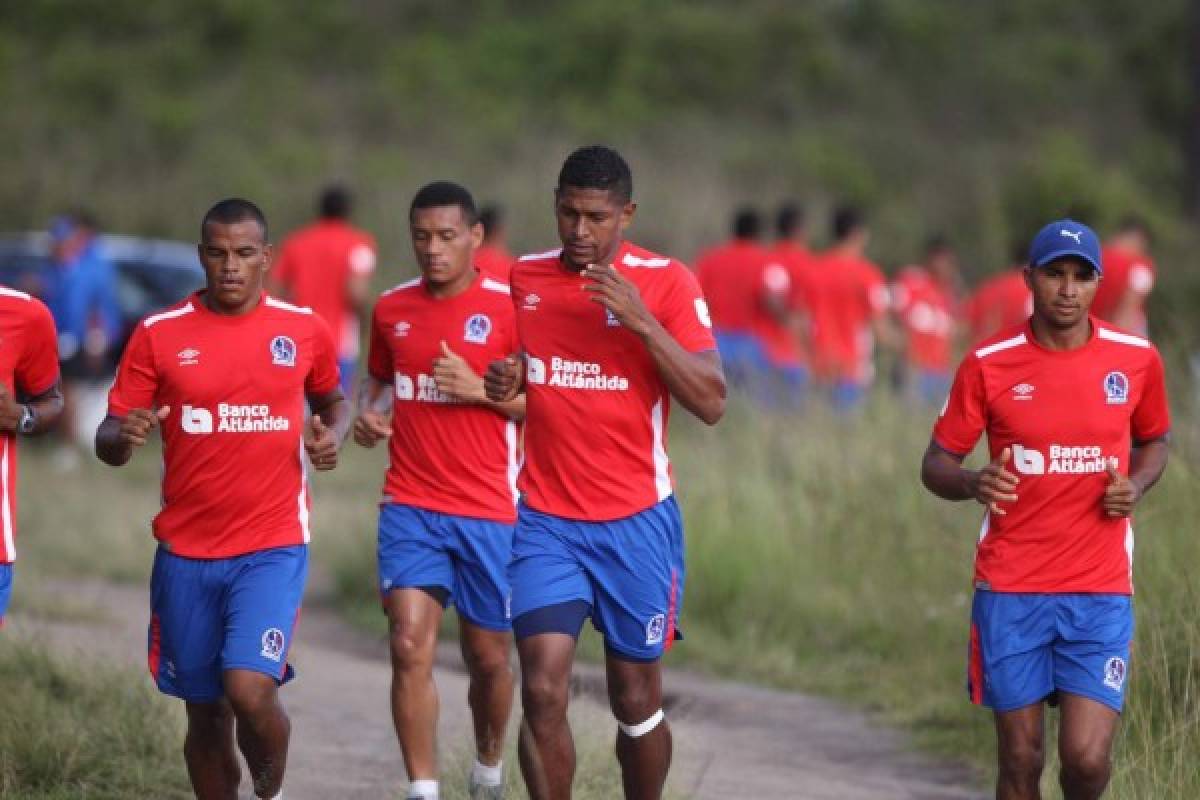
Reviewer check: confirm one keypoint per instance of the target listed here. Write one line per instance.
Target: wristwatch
(27, 422)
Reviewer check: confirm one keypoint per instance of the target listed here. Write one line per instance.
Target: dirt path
(731, 740)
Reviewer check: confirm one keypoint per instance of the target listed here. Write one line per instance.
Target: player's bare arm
(44, 409)
(373, 423)
(694, 379)
(327, 428)
(455, 377)
(1147, 461)
(118, 436)
(505, 378)
(943, 474)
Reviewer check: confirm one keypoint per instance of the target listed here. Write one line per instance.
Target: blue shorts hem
(1116, 705)
(1004, 708)
(636, 658)
(188, 697)
(504, 627)
(288, 672)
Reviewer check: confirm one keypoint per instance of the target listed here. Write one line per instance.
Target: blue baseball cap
(1066, 238)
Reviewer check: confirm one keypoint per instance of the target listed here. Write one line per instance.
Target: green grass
(77, 732)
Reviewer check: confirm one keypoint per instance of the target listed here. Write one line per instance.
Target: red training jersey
(731, 277)
(455, 458)
(998, 303)
(597, 408)
(926, 311)
(1065, 414)
(494, 261)
(234, 471)
(1125, 271)
(315, 263)
(847, 294)
(28, 367)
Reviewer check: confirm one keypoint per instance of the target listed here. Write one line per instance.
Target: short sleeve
(684, 312)
(379, 351)
(323, 375)
(37, 367)
(1152, 418)
(362, 258)
(964, 416)
(136, 384)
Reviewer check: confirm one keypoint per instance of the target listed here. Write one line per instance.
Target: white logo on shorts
(272, 644)
(655, 628)
(1114, 673)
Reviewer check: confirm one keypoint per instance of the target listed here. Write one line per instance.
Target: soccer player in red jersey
(610, 332)
(224, 376)
(1076, 418)
(327, 266)
(492, 257)
(449, 499)
(1128, 277)
(31, 402)
(1000, 302)
(924, 299)
(848, 300)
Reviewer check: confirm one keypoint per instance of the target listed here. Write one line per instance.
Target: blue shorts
(6, 579)
(212, 615)
(346, 368)
(628, 571)
(465, 556)
(1025, 647)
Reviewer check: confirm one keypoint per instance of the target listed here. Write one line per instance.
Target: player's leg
(209, 751)
(643, 736)
(262, 605)
(416, 580)
(490, 695)
(551, 597)
(1020, 752)
(1085, 739)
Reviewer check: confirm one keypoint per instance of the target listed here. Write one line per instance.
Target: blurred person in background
(1129, 275)
(81, 292)
(327, 266)
(449, 499)
(31, 402)
(925, 300)
(731, 275)
(848, 303)
(791, 249)
(493, 256)
(225, 376)
(1001, 301)
(1076, 418)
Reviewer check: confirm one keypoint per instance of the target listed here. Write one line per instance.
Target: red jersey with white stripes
(29, 367)
(597, 409)
(731, 275)
(1065, 414)
(926, 311)
(446, 456)
(846, 294)
(1125, 271)
(234, 470)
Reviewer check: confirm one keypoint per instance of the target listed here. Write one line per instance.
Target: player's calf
(208, 751)
(263, 727)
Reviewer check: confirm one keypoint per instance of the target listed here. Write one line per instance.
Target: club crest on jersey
(1114, 673)
(283, 351)
(272, 644)
(477, 330)
(655, 628)
(1116, 388)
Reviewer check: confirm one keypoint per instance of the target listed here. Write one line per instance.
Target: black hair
(937, 243)
(789, 221)
(597, 167)
(445, 193)
(232, 210)
(335, 202)
(846, 220)
(747, 223)
(1133, 223)
(490, 217)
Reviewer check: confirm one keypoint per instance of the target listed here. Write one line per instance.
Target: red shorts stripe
(975, 667)
(669, 639)
(155, 646)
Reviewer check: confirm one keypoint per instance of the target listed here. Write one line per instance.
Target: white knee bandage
(642, 728)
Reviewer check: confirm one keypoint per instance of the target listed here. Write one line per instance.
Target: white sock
(483, 775)
(423, 790)
(278, 796)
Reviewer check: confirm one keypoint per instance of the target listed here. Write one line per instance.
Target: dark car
(151, 273)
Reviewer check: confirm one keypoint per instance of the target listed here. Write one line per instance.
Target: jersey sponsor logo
(189, 356)
(233, 418)
(1114, 673)
(531, 302)
(702, 312)
(477, 329)
(655, 628)
(401, 328)
(610, 319)
(1023, 391)
(1063, 460)
(283, 351)
(405, 388)
(272, 644)
(421, 388)
(1116, 388)
(568, 374)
